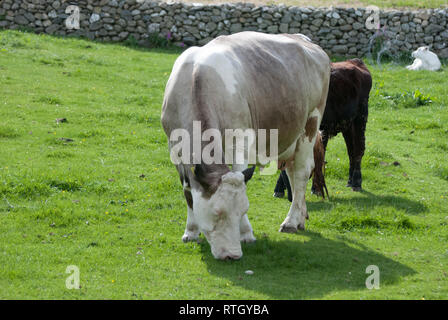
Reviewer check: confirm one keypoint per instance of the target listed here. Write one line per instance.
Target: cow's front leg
(298, 176)
(246, 232)
(192, 230)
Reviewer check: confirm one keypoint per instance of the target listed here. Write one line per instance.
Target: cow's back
(248, 80)
(350, 85)
(281, 78)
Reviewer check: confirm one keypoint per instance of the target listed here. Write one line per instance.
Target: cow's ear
(248, 173)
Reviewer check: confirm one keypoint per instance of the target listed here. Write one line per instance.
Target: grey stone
(272, 29)
(433, 28)
(341, 49)
(95, 26)
(236, 27)
(154, 28)
(211, 26)
(29, 16)
(21, 20)
(53, 14)
(287, 18)
(123, 35)
(439, 46)
(443, 53)
(283, 28)
(52, 29)
(335, 15)
(317, 22)
(429, 39)
(189, 41)
(357, 26)
(94, 18)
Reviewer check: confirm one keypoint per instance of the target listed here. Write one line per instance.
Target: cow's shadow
(368, 200)
(308, 266)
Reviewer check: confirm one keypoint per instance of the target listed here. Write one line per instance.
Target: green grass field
(100, 192)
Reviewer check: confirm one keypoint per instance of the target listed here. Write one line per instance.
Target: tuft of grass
(442, 172)
(7, 132)
(408, 99)
(48, 100)
(376, 223)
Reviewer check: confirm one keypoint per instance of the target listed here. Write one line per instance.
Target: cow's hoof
(279, 195)
(190, 236)
(357, 189)
(288, 229)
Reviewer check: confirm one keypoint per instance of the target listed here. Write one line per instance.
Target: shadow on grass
(309, 267)
(368, 200)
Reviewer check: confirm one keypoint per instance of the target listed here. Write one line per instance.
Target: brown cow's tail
(319, 185)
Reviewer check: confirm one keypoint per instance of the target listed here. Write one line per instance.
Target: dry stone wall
(341, 31)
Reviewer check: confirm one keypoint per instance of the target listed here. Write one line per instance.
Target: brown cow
(346, 111)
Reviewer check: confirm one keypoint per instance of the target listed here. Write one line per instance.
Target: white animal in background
(424, 60)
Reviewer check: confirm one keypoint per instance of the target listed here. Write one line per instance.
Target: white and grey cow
(424, 60)
(247, 80)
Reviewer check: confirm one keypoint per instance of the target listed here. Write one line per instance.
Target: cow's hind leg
(192, 230)
(279, 191)
(299, 175)
(284, 176)
(348, 137)
(359, 128)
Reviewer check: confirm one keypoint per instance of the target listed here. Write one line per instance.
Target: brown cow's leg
(348, 137)
(279, 191)
(191, 231)
(359, 127)
(287, 184)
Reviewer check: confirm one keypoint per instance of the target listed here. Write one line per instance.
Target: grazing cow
(247, 80)
(425, 60)
(346, 111)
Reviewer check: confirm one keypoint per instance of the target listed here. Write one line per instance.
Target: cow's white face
(219, 216)
(421, 53)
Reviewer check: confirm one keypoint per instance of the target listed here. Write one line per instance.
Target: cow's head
(421, 53)
(219, 203)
